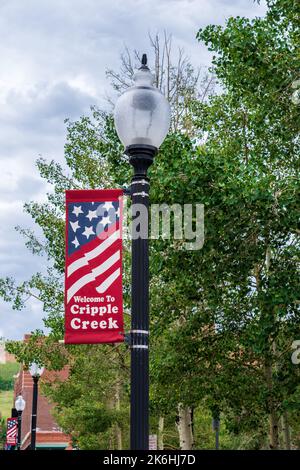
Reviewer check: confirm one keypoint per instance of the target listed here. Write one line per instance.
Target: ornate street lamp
(142, 120)
(35, 372)
(20, 407)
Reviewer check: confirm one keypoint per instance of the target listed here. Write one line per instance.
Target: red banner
(12, 431)
(93, 275)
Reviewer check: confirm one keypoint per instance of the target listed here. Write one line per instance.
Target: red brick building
(48, 434)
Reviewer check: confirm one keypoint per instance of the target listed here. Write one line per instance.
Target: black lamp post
(35, 372)
(142, 120)
(20, 406)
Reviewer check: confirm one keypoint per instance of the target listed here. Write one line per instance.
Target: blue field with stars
(87, 219)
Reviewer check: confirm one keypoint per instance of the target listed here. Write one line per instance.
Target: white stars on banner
(75, 242)
(88, 232)
(107, 206)
(105, 221)
(77, 210)
(87, 219)
(92, 215)
(75, 225)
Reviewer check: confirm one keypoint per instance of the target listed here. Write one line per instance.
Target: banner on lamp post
(11, 431)
(93, 272)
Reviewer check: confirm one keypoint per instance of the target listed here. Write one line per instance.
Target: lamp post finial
(144, 60)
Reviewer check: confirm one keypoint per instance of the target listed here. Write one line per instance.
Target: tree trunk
(274, 437)
(286, 431)
(184, 426)
(273, 417)
(160, 440)
(118, 430)
(119, 437)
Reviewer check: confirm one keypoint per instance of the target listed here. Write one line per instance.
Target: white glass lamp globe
(142, 113)
(20, 403)
(35, 370)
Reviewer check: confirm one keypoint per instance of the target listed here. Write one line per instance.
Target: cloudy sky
(54, 54)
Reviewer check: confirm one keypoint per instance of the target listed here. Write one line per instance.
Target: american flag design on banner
(12, 431)
(93, 274)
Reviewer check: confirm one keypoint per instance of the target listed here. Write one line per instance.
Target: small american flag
(12, 431)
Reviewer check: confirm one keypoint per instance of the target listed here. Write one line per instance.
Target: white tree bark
(286, 431)
(184, 427)
(117, 427)
(160, 440)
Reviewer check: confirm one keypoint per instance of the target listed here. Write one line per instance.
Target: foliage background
(222, 319)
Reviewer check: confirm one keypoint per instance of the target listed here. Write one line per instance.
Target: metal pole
(141, 157)
(19, 430)
(34, 412)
